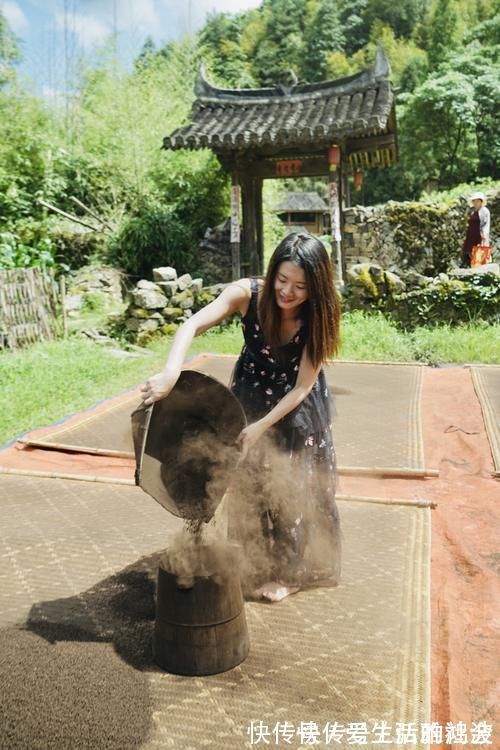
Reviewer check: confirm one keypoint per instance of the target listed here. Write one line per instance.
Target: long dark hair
(321, 310)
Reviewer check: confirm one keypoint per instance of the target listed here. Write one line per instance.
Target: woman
(283, 504)
(478, 228)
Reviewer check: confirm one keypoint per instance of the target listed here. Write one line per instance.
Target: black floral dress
(283, 510)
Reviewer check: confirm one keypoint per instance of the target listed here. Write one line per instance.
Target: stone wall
(159, 307)
(91, 285)
(215, 260)
(423, 237)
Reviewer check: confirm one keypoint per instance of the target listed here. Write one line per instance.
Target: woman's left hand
(249, 436)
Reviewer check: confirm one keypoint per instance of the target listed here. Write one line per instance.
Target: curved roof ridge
(380, 69)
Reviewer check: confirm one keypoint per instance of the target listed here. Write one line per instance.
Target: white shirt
(484, 222)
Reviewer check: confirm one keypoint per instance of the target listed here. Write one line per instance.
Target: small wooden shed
(306, 129)
(307, 210)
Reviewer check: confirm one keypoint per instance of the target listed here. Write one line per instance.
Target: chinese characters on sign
(288, 167)
(333, 202)
(235, 213)
(380, 733)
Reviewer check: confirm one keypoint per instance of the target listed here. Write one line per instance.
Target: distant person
(478, 228)
(284, 495)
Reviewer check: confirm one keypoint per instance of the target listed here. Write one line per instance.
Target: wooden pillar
(346, 195)
(249, 233)
(345, 201)
(235, 228)
(259, 225)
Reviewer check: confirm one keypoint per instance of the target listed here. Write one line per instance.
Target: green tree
(30, 151)
(439, 123)
(401, 16)
(414, 73)
(400, 52)
(487, 32)
(147, 53)
(442, 32)
(282, 46)
(352, 19)
(481, 65)
(487, 95)
(220, 45)
(339, 66)
(9, 51)
(323, 37)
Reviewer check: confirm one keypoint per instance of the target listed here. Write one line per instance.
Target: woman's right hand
(159, 386)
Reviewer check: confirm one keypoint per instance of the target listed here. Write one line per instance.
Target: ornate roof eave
(318, 136)
(380, 70)
(302, 117)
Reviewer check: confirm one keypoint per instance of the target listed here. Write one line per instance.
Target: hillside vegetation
(103, 146)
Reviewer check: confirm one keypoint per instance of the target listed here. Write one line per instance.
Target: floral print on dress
(261, 378)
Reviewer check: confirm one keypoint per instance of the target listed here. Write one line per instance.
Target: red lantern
(358, 179)
(334, 157)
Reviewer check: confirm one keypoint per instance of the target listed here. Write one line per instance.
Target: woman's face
(290, 286)
(477, 203)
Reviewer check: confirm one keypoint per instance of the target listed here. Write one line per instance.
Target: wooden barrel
(201, 629)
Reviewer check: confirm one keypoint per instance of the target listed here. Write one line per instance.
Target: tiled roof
(302, 202)
(301, 115)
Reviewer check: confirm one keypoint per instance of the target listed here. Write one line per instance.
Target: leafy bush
(76, 246)
(449, 301)
(15, 254)
(166, 227)
(153, 237)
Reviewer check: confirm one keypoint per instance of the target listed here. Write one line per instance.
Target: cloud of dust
(281, 516)
(192, 555)
(283, 513)
(197, 472)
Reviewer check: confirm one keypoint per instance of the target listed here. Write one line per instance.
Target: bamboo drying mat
(79, 562)
(105, 426)
(487, 385)
(378, 422)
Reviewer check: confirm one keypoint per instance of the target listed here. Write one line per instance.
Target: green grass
(52, 380)
(375, 337)
(474, 342)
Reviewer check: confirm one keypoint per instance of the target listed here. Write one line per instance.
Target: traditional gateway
(302, 130)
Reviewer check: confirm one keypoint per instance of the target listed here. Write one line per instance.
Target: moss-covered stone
(446, 300)
(180, 297)
(418, 236)
(169, 329)
(203, 299)
(172, 313)
(146, 337)
(138, 312)
(187, 304)
(393, 283)
(361, 278)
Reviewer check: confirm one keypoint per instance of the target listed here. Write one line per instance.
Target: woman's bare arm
(306, 377)
(234, 298)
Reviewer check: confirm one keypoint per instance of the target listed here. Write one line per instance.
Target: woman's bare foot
(275, 591)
